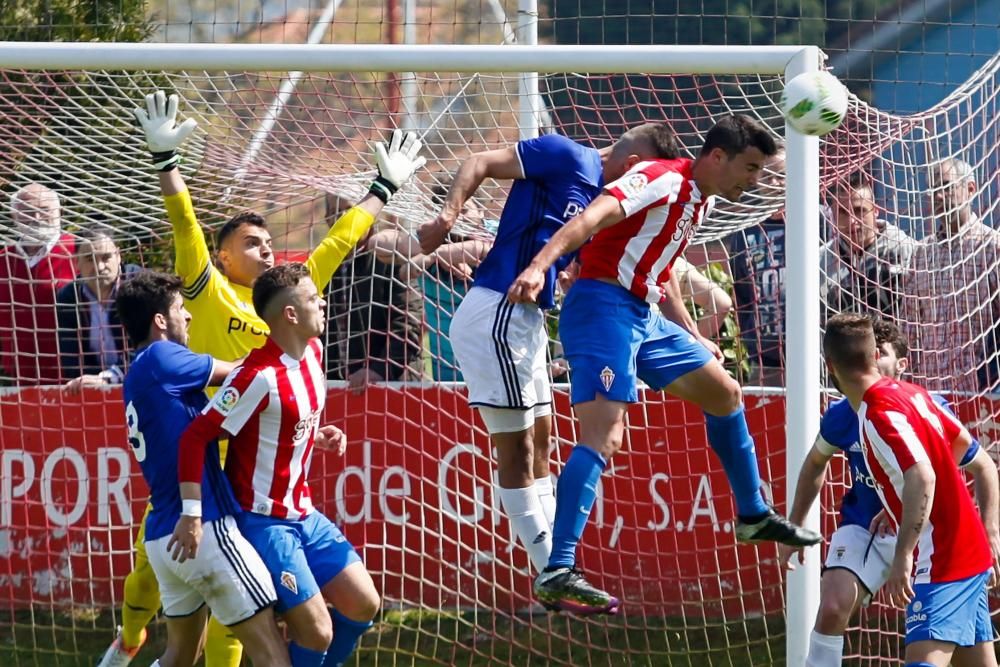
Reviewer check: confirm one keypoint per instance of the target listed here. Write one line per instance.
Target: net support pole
(527, 35)
(409, 91)
(803, 354)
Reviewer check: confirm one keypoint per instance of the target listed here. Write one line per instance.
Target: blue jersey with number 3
(561, 178)
(164, 392)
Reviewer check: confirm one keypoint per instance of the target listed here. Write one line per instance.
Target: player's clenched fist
(332, 439)
(526, 287)
(163, 135)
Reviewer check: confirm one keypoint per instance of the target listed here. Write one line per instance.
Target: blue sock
(732, 442)
(345, 638)
(575, 497)
(305, 657)
(919, 664)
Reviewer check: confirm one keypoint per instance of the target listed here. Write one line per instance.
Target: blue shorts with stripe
(301, 555)
(956, 611)
(611, 339)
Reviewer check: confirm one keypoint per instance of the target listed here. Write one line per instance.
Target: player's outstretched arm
(601, 213)
(396, 163)
(500, 164)
(164, 137)
(810, 482)
(917, 499)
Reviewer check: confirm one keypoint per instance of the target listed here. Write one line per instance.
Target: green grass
(417, 638)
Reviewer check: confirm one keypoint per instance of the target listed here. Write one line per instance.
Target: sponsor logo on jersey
(607, 377)
(288, 581)
(573, 209)
(306, 425)
(227, 400)
(917, 615)
(236, 324)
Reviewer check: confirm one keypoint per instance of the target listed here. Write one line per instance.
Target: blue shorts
(610, 339)
(956, 612)
(301, 555)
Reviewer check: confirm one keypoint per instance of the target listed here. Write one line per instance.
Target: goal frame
(802, 181)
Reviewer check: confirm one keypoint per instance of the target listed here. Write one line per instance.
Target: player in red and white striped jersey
(912, 448)
(612, 338)
(271, 408)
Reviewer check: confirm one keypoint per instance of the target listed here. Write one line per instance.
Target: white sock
(156, 663)
(825, 650)
(547, 496)
(527, 521)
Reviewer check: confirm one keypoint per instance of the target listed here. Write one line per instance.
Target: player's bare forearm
(987, 489)
(221, 370)
(603, 212)
(917, 500)
(171, 182)
(190, 491)
(810, 482)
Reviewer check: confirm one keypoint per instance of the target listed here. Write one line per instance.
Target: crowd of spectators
(391, 306)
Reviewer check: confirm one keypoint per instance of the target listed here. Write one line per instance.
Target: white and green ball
(814, 103)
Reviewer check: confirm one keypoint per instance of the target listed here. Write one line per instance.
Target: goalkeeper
(219, 297)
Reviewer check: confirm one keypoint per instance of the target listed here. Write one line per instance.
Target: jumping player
(612, 337)
(501, 347)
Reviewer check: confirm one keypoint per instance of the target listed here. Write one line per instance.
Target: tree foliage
(74, 21)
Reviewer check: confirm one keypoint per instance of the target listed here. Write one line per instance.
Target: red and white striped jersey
(901, 425)
(663, 206)
(272, 405)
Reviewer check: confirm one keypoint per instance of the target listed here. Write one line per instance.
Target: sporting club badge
(607, 377)
(288, 581)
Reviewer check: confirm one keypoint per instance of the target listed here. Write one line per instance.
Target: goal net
(415, 490)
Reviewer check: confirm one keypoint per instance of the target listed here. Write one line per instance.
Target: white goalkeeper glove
(163, 135)
(396, 163)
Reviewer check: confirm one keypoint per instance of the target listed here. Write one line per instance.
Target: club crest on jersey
(227, 399)
(607, 377)
(288, 581)
(634, 184)
(839, 553)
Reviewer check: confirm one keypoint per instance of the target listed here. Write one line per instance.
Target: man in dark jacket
(91, 339)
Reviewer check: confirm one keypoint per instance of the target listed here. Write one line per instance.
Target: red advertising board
(413, 493)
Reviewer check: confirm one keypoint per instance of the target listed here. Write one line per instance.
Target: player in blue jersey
(501, 347)
(163, 393)
(858, 561)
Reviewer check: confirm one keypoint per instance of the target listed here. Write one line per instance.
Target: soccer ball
(814, 103)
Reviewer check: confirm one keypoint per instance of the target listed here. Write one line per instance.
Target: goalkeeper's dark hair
(237, 221)
(274, 282)
(849, 342)
(735, 133)
(888, 333)
(142, 297)
(659, 137)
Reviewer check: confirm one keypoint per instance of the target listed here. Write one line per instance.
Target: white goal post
(802, 185)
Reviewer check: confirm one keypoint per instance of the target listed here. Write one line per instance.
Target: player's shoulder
(554, 143)
(839, 424)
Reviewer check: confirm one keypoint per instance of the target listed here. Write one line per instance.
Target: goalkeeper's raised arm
(218, 296)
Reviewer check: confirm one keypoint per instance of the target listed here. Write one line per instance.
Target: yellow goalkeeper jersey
(223, 321)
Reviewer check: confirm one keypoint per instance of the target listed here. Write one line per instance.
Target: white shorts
(227, 574)
(501, 349)
(868, 557)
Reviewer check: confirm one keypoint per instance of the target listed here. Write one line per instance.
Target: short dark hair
(660, 137)
(274, 281)
(143, 296)
(849, 342)
(888, 333)
(859, 180)
(90, 237)
(735, 133)
(237, 221)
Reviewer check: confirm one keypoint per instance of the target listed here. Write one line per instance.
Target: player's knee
(726, 399)
(835, 610)
(318, 635)
(363, 607)
(141, 583)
